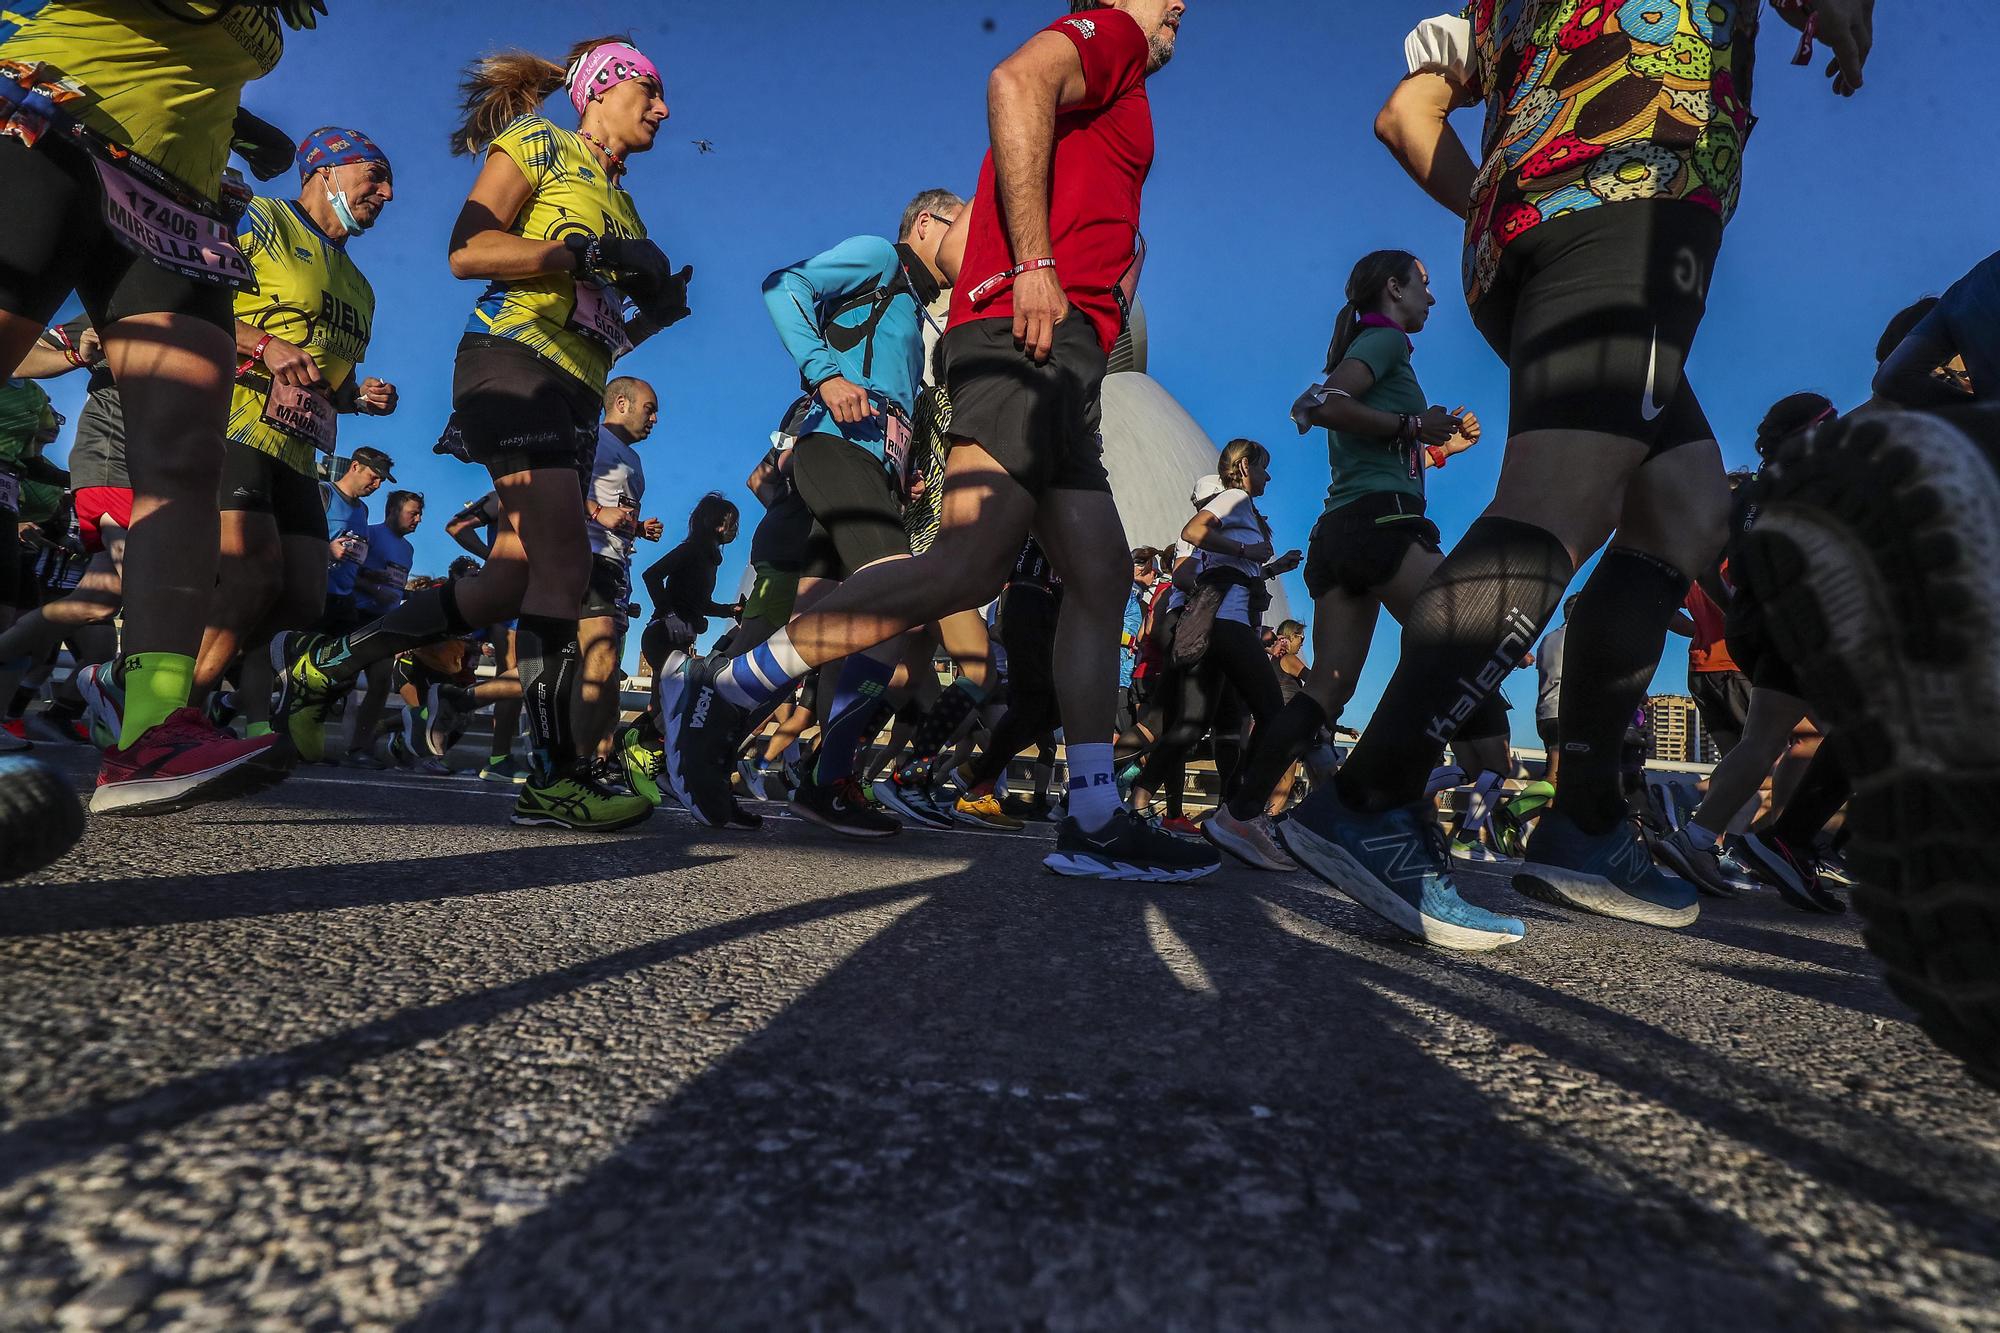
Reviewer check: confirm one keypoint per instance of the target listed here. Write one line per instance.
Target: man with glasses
(853, 319)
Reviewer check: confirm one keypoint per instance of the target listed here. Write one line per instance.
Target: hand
(848, 401)
(268, 149)
(1436, 426)
(1286, 563)
(1848, 27)
(1468, 432)
(1039, 306)
(291, 364)
(296, 13)
(338, 550)
(613, 518)
(89, 347)
(1257, 551)
(652, 529)
(376, 398)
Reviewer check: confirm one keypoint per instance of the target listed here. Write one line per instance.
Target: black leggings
(1235, 658)
(1028, 631)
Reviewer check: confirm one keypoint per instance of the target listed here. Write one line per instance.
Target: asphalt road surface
(359, 1054)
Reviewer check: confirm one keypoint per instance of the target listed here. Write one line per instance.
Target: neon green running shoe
(642, 764)
(577, 800)
(305, 694)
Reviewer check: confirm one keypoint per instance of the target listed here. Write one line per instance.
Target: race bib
(395, 576)
(303, 414)
(353, 547)
(600, 317)
(896, 438)
(175, 237)
(10, 492)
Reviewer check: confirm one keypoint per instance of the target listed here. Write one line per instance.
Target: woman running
(682, 585)
(561, 249)
(1373, 547)
(1232, 545)
(106, 107)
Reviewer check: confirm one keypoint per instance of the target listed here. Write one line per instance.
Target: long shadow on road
(1033, 1103)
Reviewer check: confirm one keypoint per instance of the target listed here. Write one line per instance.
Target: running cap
(331, 146)
(375, 461)
(1206, 489)
(602, 68)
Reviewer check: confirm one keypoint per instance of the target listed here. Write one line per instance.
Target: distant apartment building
(1674, 731)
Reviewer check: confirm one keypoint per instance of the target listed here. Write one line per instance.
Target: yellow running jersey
(166, 89)
(308, 293)
(572, 194)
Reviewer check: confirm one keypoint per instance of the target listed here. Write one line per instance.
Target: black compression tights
(1235, 658)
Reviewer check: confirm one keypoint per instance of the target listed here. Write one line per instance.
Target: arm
(1415, 126)
(659, 573)
(1023, 96)
(1909, 376)
(1345, 412)
(797, 298)
(481, 244)
(1204, 532)
(760, 477)
(44, 362)
(465, 530)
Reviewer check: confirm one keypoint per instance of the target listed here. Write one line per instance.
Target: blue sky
(826, 118)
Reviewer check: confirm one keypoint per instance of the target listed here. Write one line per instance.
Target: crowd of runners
(942, 591)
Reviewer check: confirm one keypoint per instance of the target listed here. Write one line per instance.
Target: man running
(344, 502)
(1592, 231)
(1054, 234)
(378, 589)
(483, 516)
(617, 485)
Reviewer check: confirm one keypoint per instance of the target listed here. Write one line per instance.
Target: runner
(301, 337)
(1217, 647)
(1587, 266)
(378, 589)
(139, 99)
(527, 391)
(1023, 377)
(852, 319)
(344, 513)
(617, 486)
(681, 584)
(1719, 688)
(1030, 609)
(483, 515)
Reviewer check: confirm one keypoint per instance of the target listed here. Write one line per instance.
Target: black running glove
(297, 14)
(264, 146)
(640, 270)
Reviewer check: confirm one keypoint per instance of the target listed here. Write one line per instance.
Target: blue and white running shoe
(1394, 865)
(1611, 874)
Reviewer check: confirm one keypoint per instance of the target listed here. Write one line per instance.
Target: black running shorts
(519, 412)
(1750, 646)
(1040, 422)
(1723, 700)
(54, 241)
(254, 482)
(1359, 547)
(1594, 314)
(857, 519)
(609, 591)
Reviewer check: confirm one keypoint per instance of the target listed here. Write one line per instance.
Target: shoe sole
(1242, 849)
(975, 821)
(164, 796)
(41, 816)
(1684, 867)
(1879, 542)
(1354, 882)
(557, 821)
(1078, 865)
(812, 816)
(1559, 886)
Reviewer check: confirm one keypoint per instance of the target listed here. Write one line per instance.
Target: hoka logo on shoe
(699, 718)
(1409, 865)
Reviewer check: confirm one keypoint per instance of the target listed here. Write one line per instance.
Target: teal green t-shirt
(1367, 465)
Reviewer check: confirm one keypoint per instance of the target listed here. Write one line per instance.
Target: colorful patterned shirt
(1592, 102)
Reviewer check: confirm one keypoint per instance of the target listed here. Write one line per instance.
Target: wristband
(68, 348)
(992, 284)
(1032, 265)
(256, 354)
(1437, 453)
(1810, 32)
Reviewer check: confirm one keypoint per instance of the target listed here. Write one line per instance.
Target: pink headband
(602, 68)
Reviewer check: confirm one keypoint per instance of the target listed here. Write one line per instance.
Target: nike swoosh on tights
(1650, 409)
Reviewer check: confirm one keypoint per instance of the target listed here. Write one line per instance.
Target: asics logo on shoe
(1410, 864)
(1513, 646)
(699, 718)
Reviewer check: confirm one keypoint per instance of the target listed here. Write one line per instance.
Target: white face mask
(345, 215)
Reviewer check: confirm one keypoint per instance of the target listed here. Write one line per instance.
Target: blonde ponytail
(498, 90)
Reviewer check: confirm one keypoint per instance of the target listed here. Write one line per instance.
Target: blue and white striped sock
(770, 669)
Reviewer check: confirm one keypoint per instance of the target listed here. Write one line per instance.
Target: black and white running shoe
(1129, 848)
(844, 808)
(912, 803)
(1876, 558)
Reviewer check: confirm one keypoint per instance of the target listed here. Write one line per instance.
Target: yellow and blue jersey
(572, 194)
(310, 294)
(165, 88)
